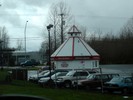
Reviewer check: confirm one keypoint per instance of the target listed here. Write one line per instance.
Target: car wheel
(87, 88)
(50, 83)
(110, 91)
(67, 84)
(125, 90)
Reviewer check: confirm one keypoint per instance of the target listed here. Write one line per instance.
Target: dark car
(95, 80)
(123, 84)
(29, 63)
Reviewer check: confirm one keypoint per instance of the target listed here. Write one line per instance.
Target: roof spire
(73, 31)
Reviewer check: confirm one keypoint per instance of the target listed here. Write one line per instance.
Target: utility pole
(55, 24)
(62, 23)
(25, 37)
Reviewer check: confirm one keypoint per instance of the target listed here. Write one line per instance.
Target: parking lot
(121, 69)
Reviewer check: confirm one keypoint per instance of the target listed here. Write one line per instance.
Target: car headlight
(35, 78)
(42, 80)
(79, 83)
(30, 77)
(60, 79)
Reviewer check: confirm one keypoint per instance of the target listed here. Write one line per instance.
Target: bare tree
(60, 17)
(127, 30)
(83, 32)
(5, 51)
(19, 44)
(4, 37)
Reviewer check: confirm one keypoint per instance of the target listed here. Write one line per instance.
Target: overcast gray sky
(106, 15)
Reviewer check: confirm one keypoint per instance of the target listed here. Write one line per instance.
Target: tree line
(115, 49)
(5, 51)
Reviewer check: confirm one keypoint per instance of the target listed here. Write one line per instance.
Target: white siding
(78, 64)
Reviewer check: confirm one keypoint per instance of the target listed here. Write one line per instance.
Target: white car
(43, 81)
(35, 76)
(66, 81)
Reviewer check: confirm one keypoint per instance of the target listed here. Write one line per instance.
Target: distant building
(20, 56)
(75, 53)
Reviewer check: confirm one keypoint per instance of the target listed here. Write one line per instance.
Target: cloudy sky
(106, 15)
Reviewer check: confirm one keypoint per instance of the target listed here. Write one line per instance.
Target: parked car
(122, 83)
(66, 81)
(44, 81)
(34, 77)
(94, 80)
(48, 74)
(29, 63)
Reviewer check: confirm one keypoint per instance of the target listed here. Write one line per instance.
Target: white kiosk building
(75, 53)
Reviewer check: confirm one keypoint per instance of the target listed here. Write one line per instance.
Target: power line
(28, 39)
(23, 14)
(107, 17)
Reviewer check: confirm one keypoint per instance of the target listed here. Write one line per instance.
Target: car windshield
(90, 76)
(70, 73)
(63, 74)
(116, 79)
(27, 61)
(47, 73)
(55, 75)
(43, 72)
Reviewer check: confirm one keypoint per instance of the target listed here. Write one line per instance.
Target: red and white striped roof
(75, 48)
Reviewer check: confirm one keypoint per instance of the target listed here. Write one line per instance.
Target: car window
(48, 73)
(90, 76)
(128, 80)
(43, 72)
(117, 79)
(112, 75)
(77, 74)
(63, 74)
(55, 75)
(70, 73)
(59, 74)
(83, 73)
(97, 77)
(104, 76)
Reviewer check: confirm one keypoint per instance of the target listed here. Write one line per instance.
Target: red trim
(76, 58)
(73, 47)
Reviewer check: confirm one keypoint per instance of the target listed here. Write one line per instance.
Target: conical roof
(74, 48)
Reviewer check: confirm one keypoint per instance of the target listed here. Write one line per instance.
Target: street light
(48, 28)
(25, 37)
